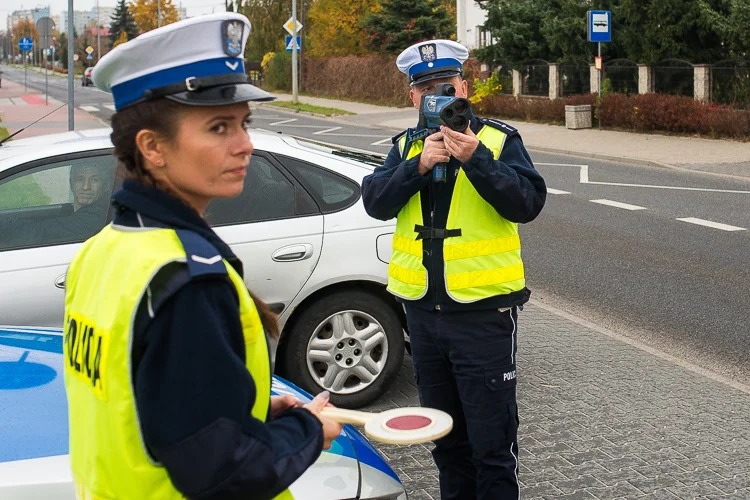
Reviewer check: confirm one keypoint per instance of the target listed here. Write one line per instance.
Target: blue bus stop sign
(600, 26)
(25, 44)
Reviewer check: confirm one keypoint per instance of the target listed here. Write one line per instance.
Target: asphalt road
(624, 262)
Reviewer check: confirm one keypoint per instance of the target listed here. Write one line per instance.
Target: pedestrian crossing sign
(291, 45)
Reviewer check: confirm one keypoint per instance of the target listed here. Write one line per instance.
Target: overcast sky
(194, 7)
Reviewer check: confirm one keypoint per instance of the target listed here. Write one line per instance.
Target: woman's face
(87, 186)
(208, 157)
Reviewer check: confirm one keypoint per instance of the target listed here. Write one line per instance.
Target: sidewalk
(19, 108)
(602, 417)
(718, 156)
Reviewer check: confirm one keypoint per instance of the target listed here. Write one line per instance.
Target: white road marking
(584, 179)
(326, 130)
(282, 122)
(557, 191)
(384, 142)
(708, 223)
(90, 109)
(617, 204)
(110, 107)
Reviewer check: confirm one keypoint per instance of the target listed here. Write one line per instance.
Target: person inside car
(167, 368)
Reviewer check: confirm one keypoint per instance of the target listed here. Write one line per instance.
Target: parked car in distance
(86, 78)
(309, 249)
(34, 460)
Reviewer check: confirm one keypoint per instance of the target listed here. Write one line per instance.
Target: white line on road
(282, 122)
(90, 109)
(557, 191)
(584, 179)
(325, 131)
(708, 223)
(383, 142)
(110, 107)
(617, 204)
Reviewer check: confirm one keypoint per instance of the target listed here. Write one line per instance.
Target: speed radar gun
(442, 108)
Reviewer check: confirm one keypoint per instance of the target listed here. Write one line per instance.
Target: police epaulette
(202, 256)
(398, 136)
(502, 126)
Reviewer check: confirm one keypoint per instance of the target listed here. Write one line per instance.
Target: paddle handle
(343, 416)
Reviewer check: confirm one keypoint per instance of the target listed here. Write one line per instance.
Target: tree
(335, 27)
(266, 18)
(146, 13)
(401, 23)
(122, 23)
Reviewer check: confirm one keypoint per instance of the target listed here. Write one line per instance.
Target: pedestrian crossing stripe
(89, 109)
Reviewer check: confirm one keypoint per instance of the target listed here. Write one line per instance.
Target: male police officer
(456, 266)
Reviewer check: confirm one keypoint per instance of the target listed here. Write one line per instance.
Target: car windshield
(369, 158)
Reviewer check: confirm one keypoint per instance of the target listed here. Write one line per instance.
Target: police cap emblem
(231, 37)
(428, 52)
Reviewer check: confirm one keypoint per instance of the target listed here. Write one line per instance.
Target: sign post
(45, 26)
(292, 26)
(71, 68)
(25, 44)
(599, 31)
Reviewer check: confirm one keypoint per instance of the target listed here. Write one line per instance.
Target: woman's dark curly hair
(163, 117)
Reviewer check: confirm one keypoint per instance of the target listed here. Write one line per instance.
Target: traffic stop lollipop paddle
(398, 426)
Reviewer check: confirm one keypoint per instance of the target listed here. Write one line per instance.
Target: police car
(308, 247)
(34, 460)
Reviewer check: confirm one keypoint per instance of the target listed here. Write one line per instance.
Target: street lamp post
(98, 41)
(158, 13)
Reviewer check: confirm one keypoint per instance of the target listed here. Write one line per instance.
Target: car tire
(368, 313)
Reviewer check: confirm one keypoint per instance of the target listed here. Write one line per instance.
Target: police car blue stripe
(132, 90)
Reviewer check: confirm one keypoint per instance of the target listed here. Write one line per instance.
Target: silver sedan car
(310, 250)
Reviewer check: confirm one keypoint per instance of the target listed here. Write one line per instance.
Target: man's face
(87, 185)
(416, 92)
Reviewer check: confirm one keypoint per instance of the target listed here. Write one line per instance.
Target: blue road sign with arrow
(600, 26)
(25, 44)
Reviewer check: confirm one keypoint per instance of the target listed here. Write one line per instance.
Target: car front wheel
(349, 343)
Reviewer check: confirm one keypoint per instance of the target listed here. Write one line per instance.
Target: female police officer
(166, 361)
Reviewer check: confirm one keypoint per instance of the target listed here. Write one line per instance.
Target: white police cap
(198, 62)
(433, 59)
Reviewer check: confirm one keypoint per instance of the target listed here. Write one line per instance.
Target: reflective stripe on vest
(483, 262)
(104, 286)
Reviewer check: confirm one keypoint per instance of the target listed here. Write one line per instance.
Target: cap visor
(220, 96)
(426, 77)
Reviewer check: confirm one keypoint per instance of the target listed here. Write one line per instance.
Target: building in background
(470, 19)
(182, 13)
(81, 19)
(105, 16)
(33, 15)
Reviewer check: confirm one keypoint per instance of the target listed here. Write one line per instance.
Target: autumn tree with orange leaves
(146, 16)
(335, 27)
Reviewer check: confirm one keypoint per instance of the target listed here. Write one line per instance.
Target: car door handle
(293, 253)
(60, 281)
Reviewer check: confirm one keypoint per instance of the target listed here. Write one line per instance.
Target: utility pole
(158, 13)
(98, 41)
(71, 68)
(294, 51)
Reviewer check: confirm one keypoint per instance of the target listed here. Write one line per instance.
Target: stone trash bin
(578, 116)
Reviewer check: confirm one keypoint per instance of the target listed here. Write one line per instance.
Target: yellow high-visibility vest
(484, 261)
(105, 283)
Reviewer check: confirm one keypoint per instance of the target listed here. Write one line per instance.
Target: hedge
(635, 113)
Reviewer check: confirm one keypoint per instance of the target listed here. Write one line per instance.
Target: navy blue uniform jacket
(510, 184)
(193, 393)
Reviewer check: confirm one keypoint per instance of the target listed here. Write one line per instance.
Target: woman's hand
(331, 428)
(283, 403)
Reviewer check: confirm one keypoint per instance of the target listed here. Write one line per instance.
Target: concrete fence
(667, 77)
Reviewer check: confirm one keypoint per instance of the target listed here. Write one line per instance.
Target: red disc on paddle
(408, 422)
